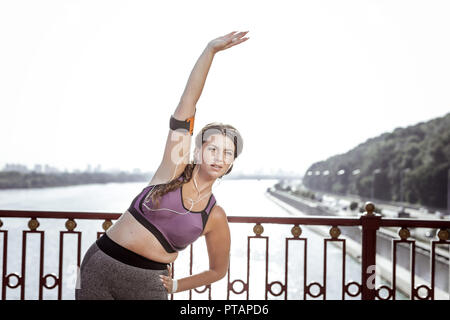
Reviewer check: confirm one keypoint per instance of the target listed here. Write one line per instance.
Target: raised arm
(178, 143)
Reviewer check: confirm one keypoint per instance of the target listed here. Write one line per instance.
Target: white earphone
(192, 202)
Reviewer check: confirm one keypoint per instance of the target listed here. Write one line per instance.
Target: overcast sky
(95, 82)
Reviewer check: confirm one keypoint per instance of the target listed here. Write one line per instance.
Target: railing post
(370, 223)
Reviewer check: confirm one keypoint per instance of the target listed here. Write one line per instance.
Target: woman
(131, 260)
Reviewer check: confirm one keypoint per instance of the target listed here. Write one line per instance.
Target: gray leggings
(103, 277)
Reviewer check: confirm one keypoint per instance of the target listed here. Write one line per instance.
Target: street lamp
(402, 187)
(341, 182)
(375, 172)
(448, 191)
(355, 172)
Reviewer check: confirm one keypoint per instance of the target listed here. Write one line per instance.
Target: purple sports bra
(174, 231)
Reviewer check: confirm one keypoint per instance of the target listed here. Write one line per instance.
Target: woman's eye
(228, 153)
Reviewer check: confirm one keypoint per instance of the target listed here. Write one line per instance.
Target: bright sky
(96, 81)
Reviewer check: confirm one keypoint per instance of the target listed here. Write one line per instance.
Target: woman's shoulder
(217, 212)
(217, 219)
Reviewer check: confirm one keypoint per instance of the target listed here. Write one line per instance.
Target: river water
(237, 197)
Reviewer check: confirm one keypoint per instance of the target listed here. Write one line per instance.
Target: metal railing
(369, 222)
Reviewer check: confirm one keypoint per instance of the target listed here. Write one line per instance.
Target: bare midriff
(131, 234)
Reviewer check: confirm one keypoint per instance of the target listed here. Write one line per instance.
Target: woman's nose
(218, 157)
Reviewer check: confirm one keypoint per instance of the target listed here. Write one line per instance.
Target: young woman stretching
(132, 259)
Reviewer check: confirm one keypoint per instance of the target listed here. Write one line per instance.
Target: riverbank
(20, 180)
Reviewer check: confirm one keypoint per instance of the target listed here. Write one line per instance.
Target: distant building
(50, 169)
(114, 170)
(37, 168)
(15, 167)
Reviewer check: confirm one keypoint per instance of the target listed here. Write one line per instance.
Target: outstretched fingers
(237, 39)
(229, 35)
(227, 41)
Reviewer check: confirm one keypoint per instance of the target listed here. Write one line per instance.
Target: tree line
(409, 164)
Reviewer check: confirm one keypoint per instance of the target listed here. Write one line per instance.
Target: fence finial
(443, 234)
(335, 232)
(404, 233)
(71, 224)
(296, 231)
(258, 229)
(106, 224)
(370, 208)
(33, 224)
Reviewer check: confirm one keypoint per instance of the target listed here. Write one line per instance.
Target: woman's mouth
(216, 167)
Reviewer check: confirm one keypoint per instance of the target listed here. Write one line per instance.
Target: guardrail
(369, 222)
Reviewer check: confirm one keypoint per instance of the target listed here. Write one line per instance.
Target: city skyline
(45, 168)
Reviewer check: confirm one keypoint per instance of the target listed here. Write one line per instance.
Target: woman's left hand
(227, 41)
(167, 280)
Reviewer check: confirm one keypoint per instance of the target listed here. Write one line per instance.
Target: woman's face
(217, 155)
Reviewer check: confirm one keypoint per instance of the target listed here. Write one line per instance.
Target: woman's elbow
(219, 274)
(222, 274)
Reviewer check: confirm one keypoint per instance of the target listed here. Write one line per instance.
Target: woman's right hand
(227, 41)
